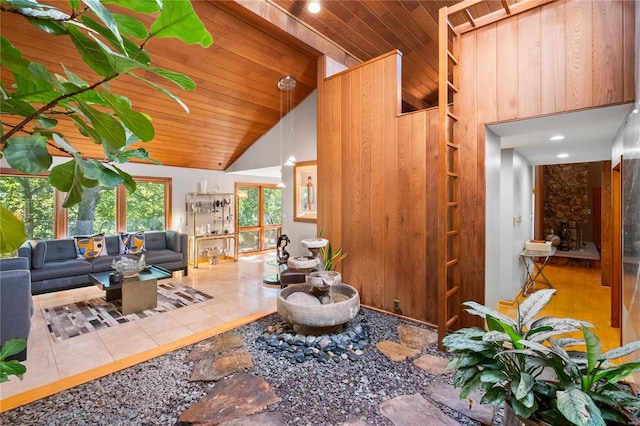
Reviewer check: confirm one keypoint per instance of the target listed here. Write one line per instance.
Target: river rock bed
(157, 391)
(281, 340)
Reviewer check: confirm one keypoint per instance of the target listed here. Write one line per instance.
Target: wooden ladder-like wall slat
(449, 305)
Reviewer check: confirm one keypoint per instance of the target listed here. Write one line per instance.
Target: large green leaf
(12, 59)
(48, 26)
(62, 142)
(136, 122)
(86, 130)
(177, 19)
(617, 373)
(67, 177)
(533, 304)
(127, 47)
(524, 386)
(128, 181)
(92, 54)
(138, 153)
(12, 233)
(12, 347)
(625, 350)
(28, 153)
(34, 91)
(74, 78)
(97, 170)
(594, 353)
(483, 311)
(142, 6)
(161, 89)
(184, 82)
(579, 408)
(105, 16)
(130, 26)
(109, 129)
(16, 107)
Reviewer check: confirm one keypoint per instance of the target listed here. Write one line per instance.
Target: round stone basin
(298, 307)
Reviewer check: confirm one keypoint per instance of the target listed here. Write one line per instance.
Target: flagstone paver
(395, 351)
(470, 407)
(215, 345)
(219, 367)
(433, 364)
(412, 410)
(416, 337)
(241, 395)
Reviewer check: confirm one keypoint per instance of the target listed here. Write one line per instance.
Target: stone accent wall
(566, 198)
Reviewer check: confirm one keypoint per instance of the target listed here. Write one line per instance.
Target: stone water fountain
(321, 304)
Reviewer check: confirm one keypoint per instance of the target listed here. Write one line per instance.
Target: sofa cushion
(132, 243)
(90, 247)
(61, 268)
(156, 257)
(112, 244)
(155, 240)
(60, 250)
(38, 253)
(103, 263)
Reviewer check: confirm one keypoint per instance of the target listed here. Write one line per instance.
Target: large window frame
(261, 227)
(61, 218)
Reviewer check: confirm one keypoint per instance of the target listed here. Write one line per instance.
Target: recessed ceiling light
(556, 138)
(314, 6)
(634, 111)
(563, 155)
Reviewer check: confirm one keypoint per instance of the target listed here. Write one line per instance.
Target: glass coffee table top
(101, 279)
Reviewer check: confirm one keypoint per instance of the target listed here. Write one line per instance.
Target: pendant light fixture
(286, 85)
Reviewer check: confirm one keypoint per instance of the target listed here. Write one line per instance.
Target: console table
(195, 243)
(533, 269)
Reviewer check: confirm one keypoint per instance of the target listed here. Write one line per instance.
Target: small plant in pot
(529, 364)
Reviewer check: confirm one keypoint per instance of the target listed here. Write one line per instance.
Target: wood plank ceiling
(237, 99)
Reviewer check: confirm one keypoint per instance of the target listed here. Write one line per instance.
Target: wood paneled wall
(377, 173)
(564, 56)
(377, 170)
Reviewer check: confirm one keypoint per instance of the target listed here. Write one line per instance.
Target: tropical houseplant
(37, 101)
(330, 258)
(539, 371)
(11, 367)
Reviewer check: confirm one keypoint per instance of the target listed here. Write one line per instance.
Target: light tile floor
(237, 291)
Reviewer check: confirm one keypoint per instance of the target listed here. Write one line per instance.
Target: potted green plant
(330, 258)
(11, 367)
(529, 364)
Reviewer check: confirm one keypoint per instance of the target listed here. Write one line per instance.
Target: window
(96, 213)
(259, 216)
(32, 199)
(102, 209)
(146, 207)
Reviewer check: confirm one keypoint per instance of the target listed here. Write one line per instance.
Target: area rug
(75, 319)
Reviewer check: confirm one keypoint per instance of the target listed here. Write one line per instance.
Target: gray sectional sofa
(54, 264)
(16, 304)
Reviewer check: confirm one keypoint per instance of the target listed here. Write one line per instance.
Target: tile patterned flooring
(237, 292)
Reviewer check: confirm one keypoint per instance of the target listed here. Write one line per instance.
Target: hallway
(579, 295)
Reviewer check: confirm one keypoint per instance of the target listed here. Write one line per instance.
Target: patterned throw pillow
(90, 247)
(132, 243)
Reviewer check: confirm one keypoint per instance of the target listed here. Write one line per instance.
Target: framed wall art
(305, 190)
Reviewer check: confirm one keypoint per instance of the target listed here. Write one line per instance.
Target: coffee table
(137, 293)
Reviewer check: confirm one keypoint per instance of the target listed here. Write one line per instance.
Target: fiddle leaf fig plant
(532, 364)
(12, 367)
(38, 100)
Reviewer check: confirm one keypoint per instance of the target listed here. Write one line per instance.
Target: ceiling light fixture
(291, 161)
(563, 155)
(286, 85)
(313, 6)
(557, 138)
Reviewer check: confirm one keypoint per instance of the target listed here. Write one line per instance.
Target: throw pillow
(90, 247)
(132, 243)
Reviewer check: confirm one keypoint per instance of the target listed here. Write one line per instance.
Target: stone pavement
(241, 398)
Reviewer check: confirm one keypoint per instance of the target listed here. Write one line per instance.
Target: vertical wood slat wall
(506, 76)
(376, 173)
(365, 201)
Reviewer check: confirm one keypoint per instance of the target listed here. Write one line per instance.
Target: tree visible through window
(146, 207)
(33, 200)
(259, 216)
(96, 213)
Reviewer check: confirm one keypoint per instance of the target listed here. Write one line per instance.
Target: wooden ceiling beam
(497, 15)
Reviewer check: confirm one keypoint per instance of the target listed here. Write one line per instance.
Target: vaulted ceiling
(256, 43)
